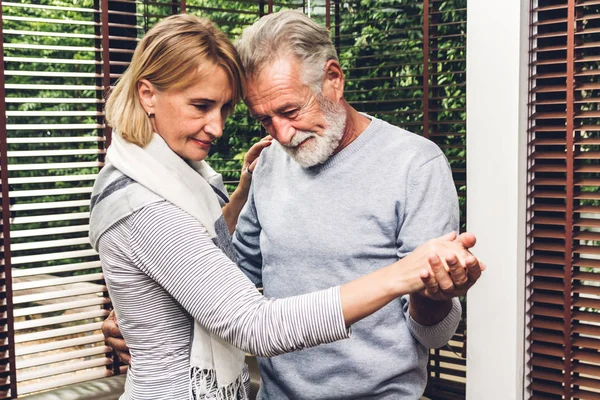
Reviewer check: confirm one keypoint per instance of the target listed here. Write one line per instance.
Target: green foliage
(380, 47)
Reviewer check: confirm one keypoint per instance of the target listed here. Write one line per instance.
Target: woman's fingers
(252, 155)
(467, 240)
(448, 236)
(257, 148)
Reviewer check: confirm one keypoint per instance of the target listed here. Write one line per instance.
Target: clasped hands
(446, 267)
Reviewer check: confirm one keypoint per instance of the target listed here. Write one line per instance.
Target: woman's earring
(149, 114)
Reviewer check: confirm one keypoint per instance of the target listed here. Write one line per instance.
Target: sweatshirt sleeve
(437, 335)
(430, 211)
(174, 250)
(246, 241)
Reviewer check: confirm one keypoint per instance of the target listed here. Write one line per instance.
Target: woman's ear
(333, 81)
(147, 92)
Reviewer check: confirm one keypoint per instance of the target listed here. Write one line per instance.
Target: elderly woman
(161, 221)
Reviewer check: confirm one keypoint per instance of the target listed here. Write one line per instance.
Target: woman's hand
(251, 156)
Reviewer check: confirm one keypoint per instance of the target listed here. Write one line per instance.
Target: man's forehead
(284, 68)
(274, 87)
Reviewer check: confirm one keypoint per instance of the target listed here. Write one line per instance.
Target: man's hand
(114, 339)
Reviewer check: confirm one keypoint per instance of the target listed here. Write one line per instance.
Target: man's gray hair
(283, 34)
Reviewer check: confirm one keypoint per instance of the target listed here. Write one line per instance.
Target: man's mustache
(299, 137)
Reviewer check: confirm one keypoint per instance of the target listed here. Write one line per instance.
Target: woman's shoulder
(166, 220)
(160, 211)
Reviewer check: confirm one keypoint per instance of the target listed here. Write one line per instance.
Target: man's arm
(246, 241)
(430, 210)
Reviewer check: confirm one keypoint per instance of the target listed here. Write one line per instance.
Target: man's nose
(283, 131)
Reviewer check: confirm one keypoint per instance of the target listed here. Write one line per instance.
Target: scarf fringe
(204, 386)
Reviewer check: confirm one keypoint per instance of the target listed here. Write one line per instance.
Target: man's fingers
(109, 324)
(114, 339)
(431, 285)
(441, 275)
(474, 269)
(110, 327)
(124, 357)
(457, 272)
(114, 331)
(117, 344)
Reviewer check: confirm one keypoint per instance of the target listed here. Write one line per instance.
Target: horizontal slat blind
(444, 120)
(8, 379)
(55, 85)
(381, 50)
(563, 289)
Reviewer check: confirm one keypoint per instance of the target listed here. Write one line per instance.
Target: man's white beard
(319, 148)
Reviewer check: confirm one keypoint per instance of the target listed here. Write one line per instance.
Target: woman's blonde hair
(167, 57)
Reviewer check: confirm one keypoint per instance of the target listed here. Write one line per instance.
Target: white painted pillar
(497, 77)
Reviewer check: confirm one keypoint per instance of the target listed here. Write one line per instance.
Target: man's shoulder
(401, 143)
(270, 156)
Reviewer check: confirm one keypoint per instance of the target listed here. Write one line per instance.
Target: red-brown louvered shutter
(563, 284)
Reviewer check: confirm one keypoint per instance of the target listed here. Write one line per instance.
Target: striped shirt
(163, 270)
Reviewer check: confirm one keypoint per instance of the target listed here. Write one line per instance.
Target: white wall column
(497, 77)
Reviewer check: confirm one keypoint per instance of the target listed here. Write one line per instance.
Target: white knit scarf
(216, 366)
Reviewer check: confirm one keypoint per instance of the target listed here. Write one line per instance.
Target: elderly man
(344, 190)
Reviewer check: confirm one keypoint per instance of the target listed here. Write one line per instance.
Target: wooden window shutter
(563, 283)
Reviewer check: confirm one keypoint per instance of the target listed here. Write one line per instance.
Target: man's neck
(356, 123)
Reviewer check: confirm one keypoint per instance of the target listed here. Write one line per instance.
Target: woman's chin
(197, 155)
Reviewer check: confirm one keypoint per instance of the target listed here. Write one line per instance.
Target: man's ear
(147, 93)
(333, 81)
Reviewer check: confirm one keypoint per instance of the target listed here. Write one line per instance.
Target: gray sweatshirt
(307, 229)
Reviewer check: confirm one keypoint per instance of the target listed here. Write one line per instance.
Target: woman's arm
(221, 298)
(231, 211)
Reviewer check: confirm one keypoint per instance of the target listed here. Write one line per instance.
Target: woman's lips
(205, 144)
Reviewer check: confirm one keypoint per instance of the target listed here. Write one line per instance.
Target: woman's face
(190, 119)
